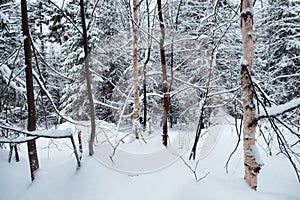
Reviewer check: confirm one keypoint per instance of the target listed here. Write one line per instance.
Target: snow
(278, 109)
(248, 10)
(62, 132)
(250, 105)
(257, 157)
(16, 140)
(59, 179)
(22, 38)
(105, 104)
(3, 18)
(244, 62)
(55, 133)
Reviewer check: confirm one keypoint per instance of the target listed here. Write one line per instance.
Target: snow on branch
(3, 18)
(278, 109)
(105, 104)
(247, 11)
(55, 133)
(243, 61)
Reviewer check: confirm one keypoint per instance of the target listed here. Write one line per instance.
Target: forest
(113, 79)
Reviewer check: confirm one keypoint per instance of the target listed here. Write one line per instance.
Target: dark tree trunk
(32, 153)
(144, 68)
(88, 80)
(164, 72)
(145, 88)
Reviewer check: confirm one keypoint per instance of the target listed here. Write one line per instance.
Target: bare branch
(194, 170)
(239, 133)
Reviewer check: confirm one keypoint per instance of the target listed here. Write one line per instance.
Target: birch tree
(136, 107)
(251, 160)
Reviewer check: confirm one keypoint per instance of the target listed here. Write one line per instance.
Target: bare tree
(164, 73)
(31, 145)
(145, 67)
(215, 100)
(88, 80)
(251, 161)
(172, 63)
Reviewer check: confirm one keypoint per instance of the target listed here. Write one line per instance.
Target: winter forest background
(203, 57)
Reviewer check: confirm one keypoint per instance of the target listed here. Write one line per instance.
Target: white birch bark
(136, 107)
(251, 161)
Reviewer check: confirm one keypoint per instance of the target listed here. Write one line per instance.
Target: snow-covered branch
(278, 109)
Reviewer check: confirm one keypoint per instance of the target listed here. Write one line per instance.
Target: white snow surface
(59, 179)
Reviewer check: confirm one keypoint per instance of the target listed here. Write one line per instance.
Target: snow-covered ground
(59, 179)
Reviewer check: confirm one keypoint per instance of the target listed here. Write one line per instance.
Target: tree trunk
(31, 145)
(136, 106)
(215, 100)
(252, 166)
(171, 111)
(164, 73)
(88, 80)
(144, 68)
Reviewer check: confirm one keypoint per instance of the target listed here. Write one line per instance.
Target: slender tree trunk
(252, 167)
(41, 31)
(145, 89)
(136, 106)
(88, 80)
(31, 145)
(164, 73)
(211, 53)
(145, 67)
(172, 64)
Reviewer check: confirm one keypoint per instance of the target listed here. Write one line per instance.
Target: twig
(239, 133)
(194, 171)
(116, 146)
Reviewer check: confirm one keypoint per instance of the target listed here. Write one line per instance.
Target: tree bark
(31, 145)
(88, 80)
(145, 67)
(136, 106)
(164, 74)
(252, 167)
